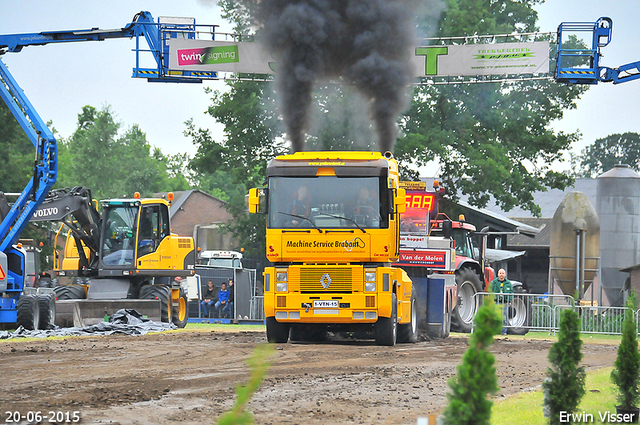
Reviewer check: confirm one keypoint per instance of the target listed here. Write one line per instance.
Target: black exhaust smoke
(367, 43)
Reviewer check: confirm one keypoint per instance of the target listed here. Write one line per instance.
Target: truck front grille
(327, 279)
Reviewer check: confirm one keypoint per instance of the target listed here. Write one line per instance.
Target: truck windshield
(327, 202)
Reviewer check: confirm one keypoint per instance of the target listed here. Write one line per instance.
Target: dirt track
(189, 377)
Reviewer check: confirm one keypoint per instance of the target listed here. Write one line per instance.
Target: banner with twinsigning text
(428, 61)
(204, 55)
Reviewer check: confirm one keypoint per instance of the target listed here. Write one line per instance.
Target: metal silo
(618, 207)
(574, 245)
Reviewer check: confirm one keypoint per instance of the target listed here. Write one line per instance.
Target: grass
(527, 408)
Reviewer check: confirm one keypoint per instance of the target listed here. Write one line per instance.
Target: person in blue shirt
(222, 306)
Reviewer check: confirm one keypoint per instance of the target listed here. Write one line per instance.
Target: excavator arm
(74, 208)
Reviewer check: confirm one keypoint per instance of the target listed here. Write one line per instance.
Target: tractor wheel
(468, 283)
(70, 292)
(519, 313)
(162, 293)
(277, 332)
(47, 310)
(409, 331)
(28, 312)
(386, 328)
(180, 313)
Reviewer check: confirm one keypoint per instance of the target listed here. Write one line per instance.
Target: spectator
(222, 306)
(502, 285)
(209, 299)
(232, 297)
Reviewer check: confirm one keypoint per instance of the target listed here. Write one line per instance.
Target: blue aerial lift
(582, 65)
(37, 310)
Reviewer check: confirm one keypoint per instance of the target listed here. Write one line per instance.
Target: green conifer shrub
(626, 369)
(564, 384)
(468, 403)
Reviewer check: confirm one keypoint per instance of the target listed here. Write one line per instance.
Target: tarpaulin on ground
(123, 322)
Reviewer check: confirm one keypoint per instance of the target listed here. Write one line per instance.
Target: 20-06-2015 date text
(50, 416)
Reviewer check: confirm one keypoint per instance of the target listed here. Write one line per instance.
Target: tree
(564, 384)
(16, 168)
(114, 165)
(603, 154)
(476, 375)
(252, 138)
(490, 139)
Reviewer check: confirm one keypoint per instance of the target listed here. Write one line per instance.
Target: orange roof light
(436, 184)
(461, 217)
(170, 196)
(136, 195)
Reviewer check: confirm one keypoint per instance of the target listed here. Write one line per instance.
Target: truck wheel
(180, 313)
(277, 332)
(70, 292)
(28, 312)
(519, 313)
(386, 328)
(162, 293)
(409, 331)
(47, 310)
(468, 283)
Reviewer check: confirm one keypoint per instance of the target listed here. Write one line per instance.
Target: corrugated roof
(542, 239)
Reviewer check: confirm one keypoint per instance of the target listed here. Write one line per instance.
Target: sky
(59, 79)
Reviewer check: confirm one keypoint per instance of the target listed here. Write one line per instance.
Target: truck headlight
(281, 287)
(370, 280)
(281, 276)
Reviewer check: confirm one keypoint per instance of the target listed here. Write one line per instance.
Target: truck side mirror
(257, 200)
(447, 229)
(401, 201)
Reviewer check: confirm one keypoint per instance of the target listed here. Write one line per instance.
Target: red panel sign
(433, 259)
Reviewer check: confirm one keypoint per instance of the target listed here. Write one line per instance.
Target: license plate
(326, 304)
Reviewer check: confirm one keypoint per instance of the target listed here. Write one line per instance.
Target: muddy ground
(189, 377)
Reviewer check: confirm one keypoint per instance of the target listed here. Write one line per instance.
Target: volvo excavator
(124, 257)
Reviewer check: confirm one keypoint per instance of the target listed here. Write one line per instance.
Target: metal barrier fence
(536, 312)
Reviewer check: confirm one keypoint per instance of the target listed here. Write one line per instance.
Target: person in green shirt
(502, 285)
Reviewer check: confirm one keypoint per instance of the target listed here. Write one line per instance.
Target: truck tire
(386, 328)
(519, 313)
(468, 283)
(47, 311)
(70, 292)
(162, 293)
(408, 333)
(28, 312)
(277, 332)
(180, 313)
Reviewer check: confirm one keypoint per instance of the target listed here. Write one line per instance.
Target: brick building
(198, 214)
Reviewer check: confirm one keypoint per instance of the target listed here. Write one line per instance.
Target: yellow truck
(332, 236)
